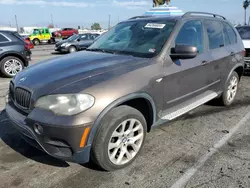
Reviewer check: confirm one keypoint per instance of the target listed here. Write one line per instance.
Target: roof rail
(136, 17)
(188, 14)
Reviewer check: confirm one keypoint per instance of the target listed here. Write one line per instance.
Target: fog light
(38, 129)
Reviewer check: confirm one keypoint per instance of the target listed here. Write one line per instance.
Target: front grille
(22, 97)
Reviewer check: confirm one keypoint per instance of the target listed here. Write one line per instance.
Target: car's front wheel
(72, 49)
(10, 66)
(120, 138)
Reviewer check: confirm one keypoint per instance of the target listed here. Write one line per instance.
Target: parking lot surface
(209, 147)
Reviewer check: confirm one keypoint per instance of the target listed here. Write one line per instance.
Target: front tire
(72, 49)
(36, 42)
(119, 139)
(230, 90)
(11, 65)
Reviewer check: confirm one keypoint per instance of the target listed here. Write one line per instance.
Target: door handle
(232, 54)
(204, 63)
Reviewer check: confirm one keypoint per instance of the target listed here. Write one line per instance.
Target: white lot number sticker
(155, 25)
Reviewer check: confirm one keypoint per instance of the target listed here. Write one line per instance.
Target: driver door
(186, 78)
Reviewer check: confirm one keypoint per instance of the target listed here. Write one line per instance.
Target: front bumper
(247, 64)
(59, 142)
(61, 49)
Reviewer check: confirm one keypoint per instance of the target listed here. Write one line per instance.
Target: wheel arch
(127, 100)
(239, 69)
(14, 55)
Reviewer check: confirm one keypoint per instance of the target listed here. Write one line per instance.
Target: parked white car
(244, 32)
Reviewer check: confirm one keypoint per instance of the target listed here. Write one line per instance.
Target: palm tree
(157, 3)
(245, 6)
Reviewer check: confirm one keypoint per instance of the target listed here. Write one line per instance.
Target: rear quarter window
(3, 38)
(229, 34)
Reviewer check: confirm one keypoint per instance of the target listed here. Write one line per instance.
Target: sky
(73, 13)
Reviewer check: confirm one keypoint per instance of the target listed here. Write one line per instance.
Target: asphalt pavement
(207, 148)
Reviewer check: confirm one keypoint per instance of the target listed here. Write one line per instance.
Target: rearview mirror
(183, 52)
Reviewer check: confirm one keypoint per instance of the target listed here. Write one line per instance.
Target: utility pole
(52, 20)
(109, 21)
(16, 24)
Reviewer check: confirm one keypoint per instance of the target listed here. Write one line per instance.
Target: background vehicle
(65, 33)
(76, 42)
(244, 32)
(42, 35)
(14, 53)
(100, 103)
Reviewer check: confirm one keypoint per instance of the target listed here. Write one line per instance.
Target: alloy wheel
(12, 67)
(125, 142)
(232, 89)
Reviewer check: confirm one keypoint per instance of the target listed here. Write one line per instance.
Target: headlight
(66, 104)
(64, 44)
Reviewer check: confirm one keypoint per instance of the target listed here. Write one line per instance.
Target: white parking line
(183, 180)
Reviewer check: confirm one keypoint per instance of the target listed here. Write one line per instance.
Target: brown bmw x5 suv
(99, 104)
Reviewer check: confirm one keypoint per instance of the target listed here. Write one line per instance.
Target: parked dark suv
(14, 53)
(100, 103)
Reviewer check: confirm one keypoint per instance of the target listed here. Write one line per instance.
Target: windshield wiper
(100, 50)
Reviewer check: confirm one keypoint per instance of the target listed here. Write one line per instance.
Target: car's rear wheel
(230, 90)
(72, 49)
(11, 65)
(36, 42)
(120, 138)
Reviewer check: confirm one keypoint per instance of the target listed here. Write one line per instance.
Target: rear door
(218, 54)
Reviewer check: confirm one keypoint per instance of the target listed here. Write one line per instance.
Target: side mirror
(78, 39)
(183, 52)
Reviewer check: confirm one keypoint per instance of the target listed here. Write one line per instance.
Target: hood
(48, 76)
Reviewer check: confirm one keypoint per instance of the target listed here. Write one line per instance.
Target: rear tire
(119, 139)
(11, 65)
(230, 90)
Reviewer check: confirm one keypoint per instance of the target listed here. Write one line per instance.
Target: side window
(83, 37)
(46, 31)
(230, 33)
(244, 32)
(3, 38)
(191, 33)
(215, 34)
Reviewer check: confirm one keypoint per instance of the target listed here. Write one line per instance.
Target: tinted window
(3, 39)
(244, 32)
(46, 31)
(84, 37)
(191, 33)
(215, 34)
(229, 34)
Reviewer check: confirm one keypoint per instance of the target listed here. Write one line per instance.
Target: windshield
(138, 38)
(72, 38)
(244, 32)
(36, 31)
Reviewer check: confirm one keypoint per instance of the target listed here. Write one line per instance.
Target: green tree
(245, 6)
(96, 26)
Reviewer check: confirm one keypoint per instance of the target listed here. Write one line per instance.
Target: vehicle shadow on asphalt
(58, 53)
(13, 139)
